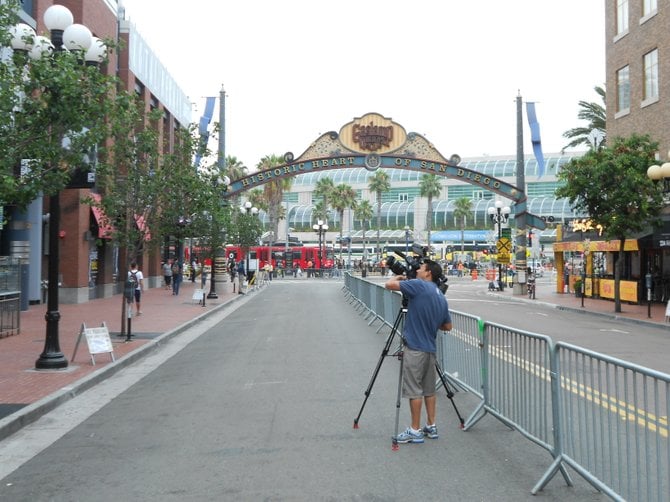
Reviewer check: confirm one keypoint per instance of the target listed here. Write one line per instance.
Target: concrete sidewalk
(653, 314)
(23, 387)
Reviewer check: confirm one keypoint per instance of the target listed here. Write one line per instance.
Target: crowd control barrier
(605, 418)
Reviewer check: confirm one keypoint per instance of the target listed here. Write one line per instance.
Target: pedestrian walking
(167, 275)
(176, 276)
(194, 268)
(428, 311)
(240, 277)
(136, 277)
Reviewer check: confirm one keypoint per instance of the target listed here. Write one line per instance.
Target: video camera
(412, 264)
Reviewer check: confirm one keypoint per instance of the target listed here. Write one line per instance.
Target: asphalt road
(257, 403)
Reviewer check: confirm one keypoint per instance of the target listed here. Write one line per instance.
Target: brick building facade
(638, 69)
(91, 267)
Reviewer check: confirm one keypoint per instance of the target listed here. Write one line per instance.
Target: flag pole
(520, 207)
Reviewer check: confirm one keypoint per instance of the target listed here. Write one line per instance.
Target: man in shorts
(427, 312)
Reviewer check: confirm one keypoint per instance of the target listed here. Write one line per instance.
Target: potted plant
(578, 288)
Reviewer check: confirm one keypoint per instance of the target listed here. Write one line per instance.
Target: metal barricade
(459, 352)
(604, 417)
(517, 389)
(612, 424)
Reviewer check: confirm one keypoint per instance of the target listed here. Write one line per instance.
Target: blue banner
(535, 138)
(203, 125)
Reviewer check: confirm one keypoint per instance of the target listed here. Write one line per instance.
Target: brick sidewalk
(21, 384)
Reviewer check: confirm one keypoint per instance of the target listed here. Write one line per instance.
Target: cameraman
(429, 312)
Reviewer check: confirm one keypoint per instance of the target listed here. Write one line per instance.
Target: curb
(31, 413)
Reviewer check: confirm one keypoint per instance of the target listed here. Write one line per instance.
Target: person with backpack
(136, 284)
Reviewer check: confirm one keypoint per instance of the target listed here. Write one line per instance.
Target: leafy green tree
(462, 209)
(612, 186)
(44, 102)
(364, 212)
(128, 180)
(343, 197)
(247, 230)
(594, 114)
(379, 183)
(430, 186)
(212, 223)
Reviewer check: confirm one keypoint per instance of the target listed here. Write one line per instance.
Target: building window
(621, 16)
(623, 89)
(651, 75)
(403, 197)
(649, 7)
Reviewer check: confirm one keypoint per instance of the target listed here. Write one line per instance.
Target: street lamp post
(248, 209)
(65, 35)
(499, 215)
(320, 227)
(287, 266)
(220, 183)
(661, 173)
(407, 232)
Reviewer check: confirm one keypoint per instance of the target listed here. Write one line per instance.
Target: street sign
(504, 245)
(503, 257)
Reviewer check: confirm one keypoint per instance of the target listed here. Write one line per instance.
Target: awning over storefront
(105, 228)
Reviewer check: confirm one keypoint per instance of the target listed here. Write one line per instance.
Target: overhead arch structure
(372, 142)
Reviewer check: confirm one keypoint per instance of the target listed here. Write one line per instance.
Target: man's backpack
(175, 268)
(130, 286)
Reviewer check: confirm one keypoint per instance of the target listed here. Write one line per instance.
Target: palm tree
(379, 183)
(343, 197)
(235, 170)
(273, 192)
(594, 114)
(462, 209)
(430, 186)
(320, 211)
(363, 212)
(324, 188)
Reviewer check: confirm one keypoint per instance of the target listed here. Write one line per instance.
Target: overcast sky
(447, 69)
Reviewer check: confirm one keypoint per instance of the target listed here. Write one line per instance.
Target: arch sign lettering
(372, 142)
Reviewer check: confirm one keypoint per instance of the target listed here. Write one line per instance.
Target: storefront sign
(627, 290)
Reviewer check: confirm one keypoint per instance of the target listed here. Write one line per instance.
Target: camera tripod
(399, 321)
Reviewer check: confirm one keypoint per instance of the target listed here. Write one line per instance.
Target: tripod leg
(450, 393)
(385, 351)
(394, 445)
